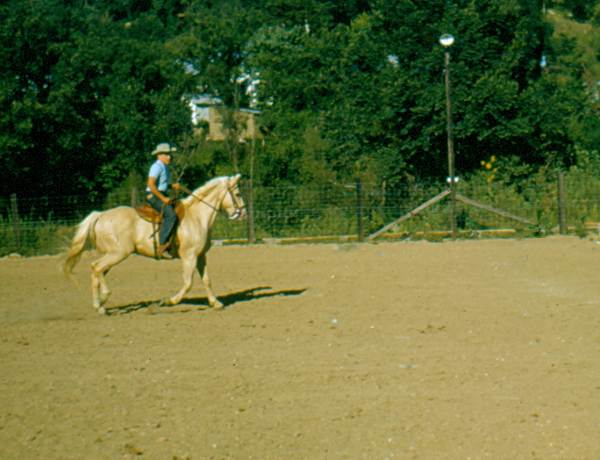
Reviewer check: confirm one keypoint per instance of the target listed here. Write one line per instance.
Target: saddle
(149, 214)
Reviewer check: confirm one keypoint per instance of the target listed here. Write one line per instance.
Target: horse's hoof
(217, 305)
(104, 297)
(102, 310)
(165, 303)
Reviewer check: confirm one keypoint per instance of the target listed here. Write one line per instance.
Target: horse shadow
(201, 303)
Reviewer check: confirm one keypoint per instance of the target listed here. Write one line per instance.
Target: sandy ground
(453, 350)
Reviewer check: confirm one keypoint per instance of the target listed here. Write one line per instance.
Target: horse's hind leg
(104, 290)
(100, 290)
(203, 271)
(96, 291)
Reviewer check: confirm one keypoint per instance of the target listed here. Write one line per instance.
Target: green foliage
(582, 182)
(580, 10)
(331, 220)
(577, 62)
(33, 237)
(128, 193)
(346, 89)
(92, 95)
(330, 212)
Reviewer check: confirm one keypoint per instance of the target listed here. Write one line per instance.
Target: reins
(193, 195)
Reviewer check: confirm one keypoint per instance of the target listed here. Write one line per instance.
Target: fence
(32, 226)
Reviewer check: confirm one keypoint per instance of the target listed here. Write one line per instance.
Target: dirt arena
(452, 350)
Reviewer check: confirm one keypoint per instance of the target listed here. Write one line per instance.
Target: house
(208, 112)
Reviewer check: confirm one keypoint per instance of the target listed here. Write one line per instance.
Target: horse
(119, 232)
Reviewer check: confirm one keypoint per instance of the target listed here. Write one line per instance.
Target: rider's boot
(163, 251)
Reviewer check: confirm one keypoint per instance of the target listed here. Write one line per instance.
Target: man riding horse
(119, 232)
(159, 178)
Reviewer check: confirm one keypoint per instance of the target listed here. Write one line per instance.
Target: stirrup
(163, 251)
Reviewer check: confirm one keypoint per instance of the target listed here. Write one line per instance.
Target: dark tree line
(346, 88)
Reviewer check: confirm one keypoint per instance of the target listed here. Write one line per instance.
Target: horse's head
(219, 194)
(233, 203)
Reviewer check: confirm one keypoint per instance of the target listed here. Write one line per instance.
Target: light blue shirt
(161, 173)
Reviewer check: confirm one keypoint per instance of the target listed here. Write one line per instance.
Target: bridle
(239, 208)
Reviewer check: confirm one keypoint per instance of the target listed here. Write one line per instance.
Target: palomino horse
(120, 232)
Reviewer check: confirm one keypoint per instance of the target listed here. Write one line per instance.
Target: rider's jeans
(169, 218)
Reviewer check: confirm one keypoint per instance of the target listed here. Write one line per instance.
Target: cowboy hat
(163, 148)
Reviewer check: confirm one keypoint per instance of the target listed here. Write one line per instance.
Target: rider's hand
(175, 186)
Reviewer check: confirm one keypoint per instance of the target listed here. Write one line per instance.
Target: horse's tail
(84, 231)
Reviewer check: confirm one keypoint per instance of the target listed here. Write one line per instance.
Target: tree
(89, 96)
(31, 34)
(344, 88)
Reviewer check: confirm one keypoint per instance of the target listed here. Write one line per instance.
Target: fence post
(250, 211)
(134, 198)
(359, 211)
(15, 220)
(562, 213)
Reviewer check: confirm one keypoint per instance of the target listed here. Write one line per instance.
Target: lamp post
(447, 40)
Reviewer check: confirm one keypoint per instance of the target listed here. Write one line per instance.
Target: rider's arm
(155, 191)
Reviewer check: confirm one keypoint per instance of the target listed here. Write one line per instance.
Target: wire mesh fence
(45, 225)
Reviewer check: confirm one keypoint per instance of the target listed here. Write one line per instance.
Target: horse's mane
(202, 191)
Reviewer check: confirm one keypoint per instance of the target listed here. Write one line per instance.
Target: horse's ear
(235, 179)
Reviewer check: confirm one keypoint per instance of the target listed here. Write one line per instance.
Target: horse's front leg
(203, 271)
(188, 262)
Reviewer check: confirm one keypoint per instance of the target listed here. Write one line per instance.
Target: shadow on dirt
(201, 303)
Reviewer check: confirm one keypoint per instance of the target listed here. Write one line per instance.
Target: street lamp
(447, 40)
